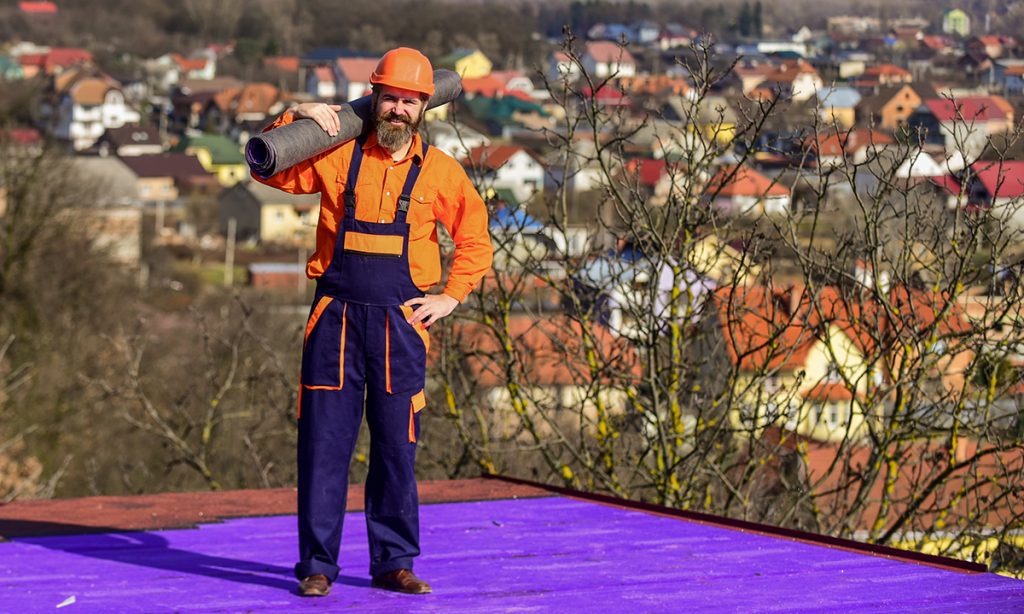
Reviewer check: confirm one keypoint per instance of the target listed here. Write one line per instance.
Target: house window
(793, 416)
(834, 416)
(772, 384)
(833, 375)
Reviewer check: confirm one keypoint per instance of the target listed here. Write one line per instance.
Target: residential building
(891, 107)
(54, 61)
(353, 77)
(604, 59)
(129, 141)
(456, 140)
(961, 125)
(794, 78)
(956, 22)
(84, 104)
(468, 63)
(322, 83)
(883, 75)
(999, 187)
(743, 191)
(268, 215)
(559, 382)
(219, 155)
(165, 179)
(837, 106)
(507, 166)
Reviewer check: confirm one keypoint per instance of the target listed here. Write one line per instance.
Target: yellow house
(468, 63)
(267, 215)
(715, 259)
(803, 366)
(219, 155)
(957, 22)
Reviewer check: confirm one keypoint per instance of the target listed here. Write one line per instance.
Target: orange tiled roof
(887, 70)
(744, 181)
(188, 63)
(483, 86)
(90, 91)
(767, 329)
(846, 143)
(550, 352)
(287, 63)
(492, 157)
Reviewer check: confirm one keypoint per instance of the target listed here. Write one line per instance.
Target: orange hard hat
(405, 68)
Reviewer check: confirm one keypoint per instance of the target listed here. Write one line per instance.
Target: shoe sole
(398, 590)
(314, 592)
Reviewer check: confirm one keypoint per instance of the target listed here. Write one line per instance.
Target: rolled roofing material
(276, 150)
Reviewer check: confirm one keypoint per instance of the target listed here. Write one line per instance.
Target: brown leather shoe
(315, 586)
(402, 581)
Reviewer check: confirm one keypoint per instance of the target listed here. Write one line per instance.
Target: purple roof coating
(548, 554)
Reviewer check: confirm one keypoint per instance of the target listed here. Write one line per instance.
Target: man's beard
(393, 137)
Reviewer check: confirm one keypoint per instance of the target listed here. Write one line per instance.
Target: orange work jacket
(443, 193)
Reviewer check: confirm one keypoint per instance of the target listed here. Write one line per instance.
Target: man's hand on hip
(431, 308)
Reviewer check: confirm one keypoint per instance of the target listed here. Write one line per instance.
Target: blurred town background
(754, 259)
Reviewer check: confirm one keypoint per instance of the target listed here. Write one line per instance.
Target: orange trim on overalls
(386, 245)
(387, 352)
(418, 327)
(341, 349)
(313, 319)
(310, 325)
(418, 402)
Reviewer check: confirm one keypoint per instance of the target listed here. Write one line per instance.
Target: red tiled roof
(46, 8)
(936, 42)
(188, 63)
(889, 70)
(649, 170)
(839, 143)
(970, 108)
(1001, 179)
(484, 86)
(948, 183)
(828, 391)
(357, 69)
(788, 71)
(66, 56)
(745, 181)
(492, 157)
(607, 51)
(23, 136)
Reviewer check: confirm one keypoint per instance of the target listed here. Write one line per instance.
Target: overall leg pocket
(323, 354)
(406, 347)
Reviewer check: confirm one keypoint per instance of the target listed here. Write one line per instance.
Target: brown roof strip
(187, 509)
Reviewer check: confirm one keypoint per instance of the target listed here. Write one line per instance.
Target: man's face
(399, 113)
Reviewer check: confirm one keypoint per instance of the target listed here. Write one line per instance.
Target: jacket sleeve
(465, 218)
(303, 178)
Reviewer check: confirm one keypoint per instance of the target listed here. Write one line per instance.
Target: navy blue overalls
(359, 342)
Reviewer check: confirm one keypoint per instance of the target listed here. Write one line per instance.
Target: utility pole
(229, 254)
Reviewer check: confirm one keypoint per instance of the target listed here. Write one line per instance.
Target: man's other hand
(325, 115)
(431, 308)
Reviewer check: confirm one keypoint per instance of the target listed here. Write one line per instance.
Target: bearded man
(366, 339)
